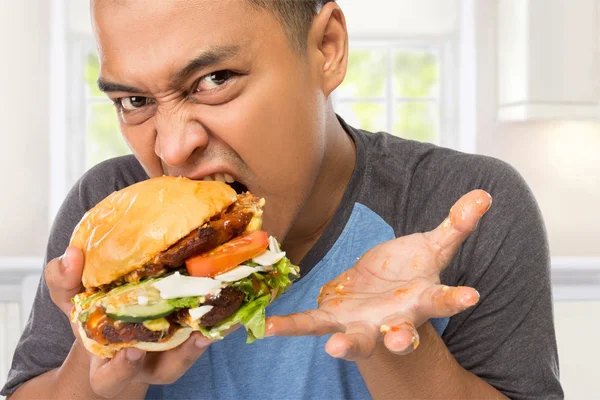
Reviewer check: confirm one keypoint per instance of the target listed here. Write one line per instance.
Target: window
(395, 88)
(102, 139)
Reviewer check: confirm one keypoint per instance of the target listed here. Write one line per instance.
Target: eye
(133, 103)
(214, 80)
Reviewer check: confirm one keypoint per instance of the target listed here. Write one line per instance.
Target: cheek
(272, 126)
(141, 141)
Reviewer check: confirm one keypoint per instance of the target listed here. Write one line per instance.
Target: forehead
(142, 33)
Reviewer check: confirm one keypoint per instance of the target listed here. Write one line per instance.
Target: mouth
(239, 187)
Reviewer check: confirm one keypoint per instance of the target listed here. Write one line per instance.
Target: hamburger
(169, 256)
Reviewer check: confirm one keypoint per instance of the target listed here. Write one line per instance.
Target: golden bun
(131, 226)
(109, 350)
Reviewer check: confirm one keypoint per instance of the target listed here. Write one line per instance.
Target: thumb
(461, 221)
(63, 277)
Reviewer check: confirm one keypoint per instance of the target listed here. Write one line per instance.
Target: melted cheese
(160, 324)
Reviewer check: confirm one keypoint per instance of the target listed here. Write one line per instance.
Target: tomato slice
(228, 255)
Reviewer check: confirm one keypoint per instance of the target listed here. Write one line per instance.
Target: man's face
(206, 87)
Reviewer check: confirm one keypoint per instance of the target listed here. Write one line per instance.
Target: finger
(357, 342)
(63, 277)
(167, 367)
(311, 322)
(442, 301)
(461, 221)
(109, 377)
(400, 336)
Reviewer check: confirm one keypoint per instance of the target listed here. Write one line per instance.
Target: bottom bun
(109, 350)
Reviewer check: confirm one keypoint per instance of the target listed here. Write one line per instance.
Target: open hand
(392, 290)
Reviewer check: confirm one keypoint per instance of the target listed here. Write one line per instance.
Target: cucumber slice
(124, 305)
(137, 313)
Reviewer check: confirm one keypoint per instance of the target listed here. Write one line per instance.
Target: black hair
(296, 16)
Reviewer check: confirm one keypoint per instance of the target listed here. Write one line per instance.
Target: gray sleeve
(47, 337)
(508, 339)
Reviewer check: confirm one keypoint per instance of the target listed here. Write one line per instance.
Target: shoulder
(97, 183)
(412, 185)
(418, 160)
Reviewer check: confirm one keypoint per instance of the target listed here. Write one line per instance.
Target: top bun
(131, 226)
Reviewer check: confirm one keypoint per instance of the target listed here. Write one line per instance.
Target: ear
(328, 39)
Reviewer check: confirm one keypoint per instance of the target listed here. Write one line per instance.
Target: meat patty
(104, 330)
(126, 332)
(220, 229)
(206, 238)
(217, 231)
(229, 301)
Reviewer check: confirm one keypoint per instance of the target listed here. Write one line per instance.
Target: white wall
(23, 127)
(385, 19)
(559, 160)
(578, 324)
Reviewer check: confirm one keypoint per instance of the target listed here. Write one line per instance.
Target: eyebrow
(107, 87)
(212, 56)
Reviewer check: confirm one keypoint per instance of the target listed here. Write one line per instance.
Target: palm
(375, 288)
(394, 287)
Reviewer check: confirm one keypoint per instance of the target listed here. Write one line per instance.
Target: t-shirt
(398, 187)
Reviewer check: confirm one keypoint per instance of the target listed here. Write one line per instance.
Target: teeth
(219, 177)
(229, 178)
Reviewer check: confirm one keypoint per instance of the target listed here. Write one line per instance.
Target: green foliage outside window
(409, 83)
(103, 136)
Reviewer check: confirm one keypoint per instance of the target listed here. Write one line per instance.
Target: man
(243, 87)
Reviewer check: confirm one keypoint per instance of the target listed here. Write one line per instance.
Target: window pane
(91, 73)
(366, 75)
(103, 135)
(416, 74)
(417, 121)
(368, 116)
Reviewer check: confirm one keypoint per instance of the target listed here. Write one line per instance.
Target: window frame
(445, 49)
(79, 48)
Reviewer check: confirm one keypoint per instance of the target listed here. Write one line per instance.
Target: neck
(335, 173)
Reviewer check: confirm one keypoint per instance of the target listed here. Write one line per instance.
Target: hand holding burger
(169, 256)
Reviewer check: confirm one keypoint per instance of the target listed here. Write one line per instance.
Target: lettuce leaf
(185, 302)
(260, 289)
(275, 281)
(251, 315)
(282, 275)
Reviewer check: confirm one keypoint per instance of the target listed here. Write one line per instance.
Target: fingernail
(342, 354)
(134, 354)
(470, 298)
(64, 262)
(415, 342)
(202, 342)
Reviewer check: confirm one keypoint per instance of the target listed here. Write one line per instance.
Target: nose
(178, 136)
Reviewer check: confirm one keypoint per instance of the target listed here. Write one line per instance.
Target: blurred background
(518, 80)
